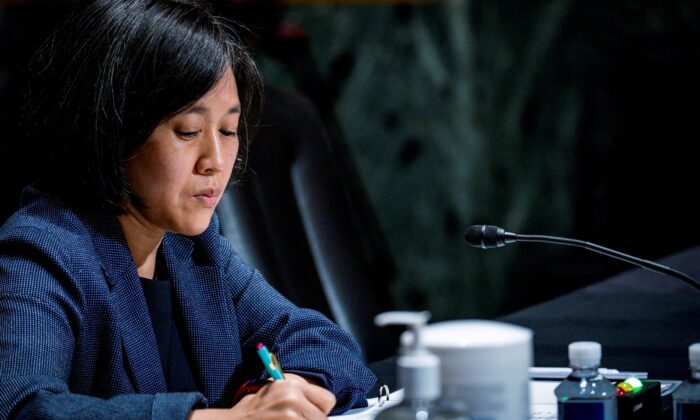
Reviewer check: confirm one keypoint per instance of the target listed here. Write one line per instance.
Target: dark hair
(110, 74)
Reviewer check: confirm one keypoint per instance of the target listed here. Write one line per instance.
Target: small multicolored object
(270, 362)
(631, 384)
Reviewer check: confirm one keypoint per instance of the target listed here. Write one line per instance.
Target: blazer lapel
(138, 338)
(212, 335)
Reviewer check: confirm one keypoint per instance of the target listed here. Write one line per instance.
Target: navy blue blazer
(76, 338)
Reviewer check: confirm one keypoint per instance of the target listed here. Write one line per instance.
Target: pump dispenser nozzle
(418, 370)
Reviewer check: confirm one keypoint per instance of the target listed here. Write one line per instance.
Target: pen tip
(260, 346)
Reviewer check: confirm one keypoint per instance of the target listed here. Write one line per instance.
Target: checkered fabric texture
(76, 338)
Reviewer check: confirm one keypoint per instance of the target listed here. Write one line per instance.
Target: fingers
(320, 397)
(287, 400)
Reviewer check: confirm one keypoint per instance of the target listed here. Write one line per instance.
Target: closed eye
(228, 133)
(188, 134)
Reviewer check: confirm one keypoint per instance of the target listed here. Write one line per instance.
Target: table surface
(644, 321)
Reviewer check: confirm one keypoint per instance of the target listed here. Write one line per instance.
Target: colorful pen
(270, 362)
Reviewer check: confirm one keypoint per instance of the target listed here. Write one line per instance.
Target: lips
(208, 197)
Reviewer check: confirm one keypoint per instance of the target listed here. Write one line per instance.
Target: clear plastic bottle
(418, 373)
(686, 399)
(585, 394)
(424, 410)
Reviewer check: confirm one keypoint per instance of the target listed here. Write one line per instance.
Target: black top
(176, 368)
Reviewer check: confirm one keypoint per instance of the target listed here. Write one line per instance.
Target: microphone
(488, 236)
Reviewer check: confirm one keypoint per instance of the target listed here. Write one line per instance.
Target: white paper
(372, 409)
(543, 402)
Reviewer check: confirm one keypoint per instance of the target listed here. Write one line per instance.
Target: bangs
(180, 63)
(122, 68)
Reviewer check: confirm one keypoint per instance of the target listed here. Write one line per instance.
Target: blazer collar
(138, 338)
(212, 334)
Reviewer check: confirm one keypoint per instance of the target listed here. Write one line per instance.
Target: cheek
(153, 181)
(135, 175)
(234, 150)
(230, 155)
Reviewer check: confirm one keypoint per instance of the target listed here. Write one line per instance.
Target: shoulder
(47, 251)
(44, 222)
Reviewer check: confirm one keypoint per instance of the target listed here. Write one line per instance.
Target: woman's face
(181, 171)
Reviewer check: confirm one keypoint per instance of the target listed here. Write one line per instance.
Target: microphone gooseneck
(488, 236)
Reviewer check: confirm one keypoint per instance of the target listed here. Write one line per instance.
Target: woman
(118, 296)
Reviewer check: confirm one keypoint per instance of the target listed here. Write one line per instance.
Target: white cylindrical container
(484, 363)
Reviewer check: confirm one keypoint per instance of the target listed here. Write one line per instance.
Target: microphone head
(485, 236)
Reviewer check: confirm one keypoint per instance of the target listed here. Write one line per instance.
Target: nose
(211, 157)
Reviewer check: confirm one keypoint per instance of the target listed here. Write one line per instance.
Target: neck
(143, 244)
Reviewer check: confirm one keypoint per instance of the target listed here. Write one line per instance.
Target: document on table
(374, 407)
(563, 372)
(543, 402)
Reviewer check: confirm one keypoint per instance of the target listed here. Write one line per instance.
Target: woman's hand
(292, 398)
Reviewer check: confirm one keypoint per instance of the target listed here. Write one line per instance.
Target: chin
(193, 232)
(194, 228)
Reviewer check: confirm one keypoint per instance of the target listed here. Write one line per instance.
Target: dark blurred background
(565, 117)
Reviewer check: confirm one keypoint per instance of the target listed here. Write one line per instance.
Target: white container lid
(484, 364)
(473, 349)
(476, 334)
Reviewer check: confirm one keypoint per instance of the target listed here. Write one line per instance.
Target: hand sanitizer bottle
(686, 399)
(585, 394)
(418, 373)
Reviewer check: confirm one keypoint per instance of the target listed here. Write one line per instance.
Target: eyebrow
(236, 109)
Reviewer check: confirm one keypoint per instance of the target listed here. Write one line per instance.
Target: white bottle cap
(694, 355)
(584, 354)
(418, 370)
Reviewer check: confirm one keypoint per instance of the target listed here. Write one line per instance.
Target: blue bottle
(585, 394)
(686, 399)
